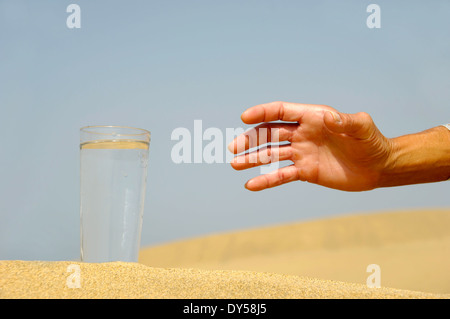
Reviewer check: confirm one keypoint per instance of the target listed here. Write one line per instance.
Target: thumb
(359, 125)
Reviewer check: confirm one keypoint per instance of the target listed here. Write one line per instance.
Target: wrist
(417, 158)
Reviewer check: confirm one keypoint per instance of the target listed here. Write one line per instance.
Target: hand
(328, 148)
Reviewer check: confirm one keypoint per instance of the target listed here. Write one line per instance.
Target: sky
(161, 65)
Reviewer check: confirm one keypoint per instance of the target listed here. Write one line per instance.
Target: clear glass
(114, 162)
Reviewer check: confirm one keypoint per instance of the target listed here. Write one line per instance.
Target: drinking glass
(113, 179)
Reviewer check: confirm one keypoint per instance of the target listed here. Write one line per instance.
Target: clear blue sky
(160, 65)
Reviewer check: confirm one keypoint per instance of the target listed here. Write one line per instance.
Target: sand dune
(318, 259)
(412, 249)
(37, 279)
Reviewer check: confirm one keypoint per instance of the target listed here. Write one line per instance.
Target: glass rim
(86, 129)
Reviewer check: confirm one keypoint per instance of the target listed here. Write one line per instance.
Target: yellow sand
(412, 249)
(36, 279)
(319, 259)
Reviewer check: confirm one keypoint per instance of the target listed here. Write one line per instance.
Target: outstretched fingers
(262, 156)
(274, 111)
(278, 177)
(263, 134)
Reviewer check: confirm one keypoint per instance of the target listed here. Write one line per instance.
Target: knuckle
(281, 176)
(365, 116)
(281, 111)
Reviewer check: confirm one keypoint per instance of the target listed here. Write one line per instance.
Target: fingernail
(336, 117)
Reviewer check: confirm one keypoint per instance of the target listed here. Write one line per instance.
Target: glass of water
(114, 162)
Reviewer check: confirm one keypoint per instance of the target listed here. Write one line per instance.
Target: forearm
(418, 158)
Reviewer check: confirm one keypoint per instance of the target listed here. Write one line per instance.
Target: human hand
(328, 148)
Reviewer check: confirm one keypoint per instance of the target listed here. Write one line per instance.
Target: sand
(318, 259)
(49, 280)
(412, 248)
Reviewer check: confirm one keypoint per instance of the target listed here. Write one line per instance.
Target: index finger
(274, 111)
